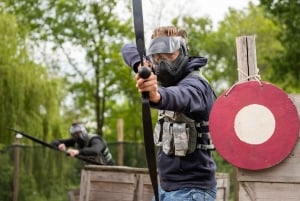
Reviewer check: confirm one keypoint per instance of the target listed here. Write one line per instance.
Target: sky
(213, 8)
(160, 12)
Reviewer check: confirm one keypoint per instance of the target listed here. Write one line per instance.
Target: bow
(53, 147)
(144, 72)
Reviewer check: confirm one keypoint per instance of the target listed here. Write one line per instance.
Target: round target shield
(254, 126)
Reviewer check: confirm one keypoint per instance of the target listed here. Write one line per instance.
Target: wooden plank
(115, 196)
(223, 186)
(260, 191)
(286, 171)
(106, 176)
(112, 192)
(146, 188)
(246, 58)
(112, 187)
(103, 168)
(296, 100)
(244, 69)
(139, 188)
(84, 186)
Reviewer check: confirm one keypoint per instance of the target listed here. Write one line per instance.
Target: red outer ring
(254, 156)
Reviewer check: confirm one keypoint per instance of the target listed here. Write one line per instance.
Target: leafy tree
(219, 45)
(30, 102)
(32, 97)
(6, 171)
(286, 62)
(93, 27)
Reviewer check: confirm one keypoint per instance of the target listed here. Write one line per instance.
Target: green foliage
(44, 175)
(286, 62)
(32, 98)
(30, 102)
(56, 169)
(94, 28)
(6, 175)
(219, 45)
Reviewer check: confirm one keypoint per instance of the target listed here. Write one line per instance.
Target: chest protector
(180, 135)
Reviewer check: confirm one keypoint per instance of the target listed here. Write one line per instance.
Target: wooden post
(246, 57)
(247, 68)
(16, 167)
(120, 142)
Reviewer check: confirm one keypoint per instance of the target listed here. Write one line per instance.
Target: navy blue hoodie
(194, 97)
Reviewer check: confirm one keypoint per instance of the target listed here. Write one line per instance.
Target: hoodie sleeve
(193, 96)
(131, 56)
(95, 147)
(68, 142)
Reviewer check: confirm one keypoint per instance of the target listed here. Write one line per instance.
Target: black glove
(55, 143)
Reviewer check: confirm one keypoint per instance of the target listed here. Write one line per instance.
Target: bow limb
(147, 122)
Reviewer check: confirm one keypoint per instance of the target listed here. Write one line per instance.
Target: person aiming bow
(184, 99)
(82, 143)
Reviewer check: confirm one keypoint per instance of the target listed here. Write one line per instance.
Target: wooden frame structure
(121, 183)
(280, 182)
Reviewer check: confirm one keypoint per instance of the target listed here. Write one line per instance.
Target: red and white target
(254, 126)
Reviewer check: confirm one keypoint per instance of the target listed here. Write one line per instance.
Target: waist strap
(205, 146)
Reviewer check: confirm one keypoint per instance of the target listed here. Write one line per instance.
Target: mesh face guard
(166, 45)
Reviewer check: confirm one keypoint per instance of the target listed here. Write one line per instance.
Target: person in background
(184, 99)
(91, 146)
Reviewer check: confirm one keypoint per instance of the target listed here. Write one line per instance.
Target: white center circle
(254, 124)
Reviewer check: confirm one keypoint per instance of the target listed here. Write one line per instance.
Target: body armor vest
(104, 157)
(180, 135)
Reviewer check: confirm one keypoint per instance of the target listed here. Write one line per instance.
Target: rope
(255, 77)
